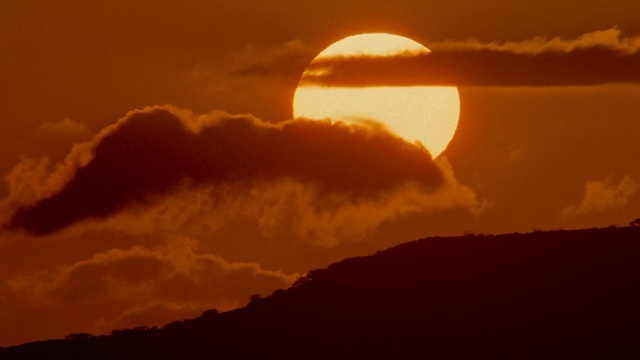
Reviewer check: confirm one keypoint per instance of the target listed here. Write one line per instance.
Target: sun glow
(427, 114)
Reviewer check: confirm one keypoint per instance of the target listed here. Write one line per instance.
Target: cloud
(603, 195)
(137, 280)
(26, 182)
(66, 126)
(287, 60)
(610, 39)
(124, 287)
(290, 209)
(158, 150)
(595, 58)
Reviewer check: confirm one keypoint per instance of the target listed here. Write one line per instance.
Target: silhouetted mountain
(558, 294)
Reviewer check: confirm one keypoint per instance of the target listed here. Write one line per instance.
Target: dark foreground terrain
(560, 294)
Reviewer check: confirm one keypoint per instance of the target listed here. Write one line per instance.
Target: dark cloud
(159, 150)
(479, 67)
(598, 57)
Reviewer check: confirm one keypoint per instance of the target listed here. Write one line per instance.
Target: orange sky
(115, 236)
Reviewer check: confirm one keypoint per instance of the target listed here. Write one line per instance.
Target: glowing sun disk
(428, 114)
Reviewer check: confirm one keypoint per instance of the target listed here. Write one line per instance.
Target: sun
(425, 114)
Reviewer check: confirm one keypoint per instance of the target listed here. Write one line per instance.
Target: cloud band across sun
(482, 67)
(595, 58)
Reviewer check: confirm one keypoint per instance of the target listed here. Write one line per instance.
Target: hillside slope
(560, 294)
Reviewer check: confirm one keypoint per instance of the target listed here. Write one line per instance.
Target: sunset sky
(152, 169)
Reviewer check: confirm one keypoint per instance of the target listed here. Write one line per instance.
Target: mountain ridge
(559, 294)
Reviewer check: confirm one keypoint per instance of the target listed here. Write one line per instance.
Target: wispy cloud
(142, 285)
(604, 195)
(599, 57)
(611, 39)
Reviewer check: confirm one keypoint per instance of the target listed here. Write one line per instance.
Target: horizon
(210, 314)
(559, 293)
